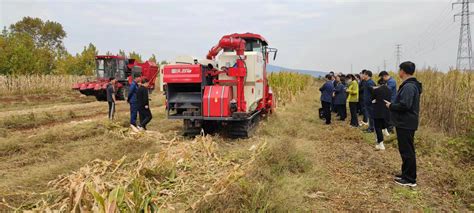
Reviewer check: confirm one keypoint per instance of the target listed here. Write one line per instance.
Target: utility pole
(384, 65)
(464, 59)
(351, 69)
(398, 54)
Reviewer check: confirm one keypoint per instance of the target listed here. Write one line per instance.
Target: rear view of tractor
(227, 91)
(120, 68)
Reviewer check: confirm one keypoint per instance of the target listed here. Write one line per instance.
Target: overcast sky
(316, 35)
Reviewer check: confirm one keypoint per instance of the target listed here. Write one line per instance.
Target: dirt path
(51, 108)
(31, 157)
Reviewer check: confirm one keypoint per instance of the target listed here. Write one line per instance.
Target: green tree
(164, 62)
(136, 56)
(4, 32)
(81, 64)
(153, 58)
(47, 34)
(87, 59)
(122, 53)
(19, 55)
(31, 46)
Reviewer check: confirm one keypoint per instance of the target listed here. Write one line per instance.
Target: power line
(429, 41)
(398, 54)
(431, 28)
(464, 59)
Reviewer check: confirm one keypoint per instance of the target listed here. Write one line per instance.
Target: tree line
(32, 46)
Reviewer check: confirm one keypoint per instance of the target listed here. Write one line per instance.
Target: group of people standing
(382, 108)
(137, 99)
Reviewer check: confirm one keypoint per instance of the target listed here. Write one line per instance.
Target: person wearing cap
(143, 104)
(110, 93)
(132, 100)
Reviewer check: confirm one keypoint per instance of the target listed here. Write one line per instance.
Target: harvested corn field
(90, 164)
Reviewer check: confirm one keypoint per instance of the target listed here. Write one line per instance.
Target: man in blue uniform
(132, 100)
(326, 97)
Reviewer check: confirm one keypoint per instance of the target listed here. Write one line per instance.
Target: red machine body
(180, 74)
(216, 101)
(122, 69)
(196, 94)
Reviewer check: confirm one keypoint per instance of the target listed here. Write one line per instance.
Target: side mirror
(272, 50)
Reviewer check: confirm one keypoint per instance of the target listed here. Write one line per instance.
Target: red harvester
(228, 91)
(123, 69)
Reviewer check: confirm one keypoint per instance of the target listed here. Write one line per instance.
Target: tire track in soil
(50, 109)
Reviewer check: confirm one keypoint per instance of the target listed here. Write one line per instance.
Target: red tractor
(229, 92)
(122, 69)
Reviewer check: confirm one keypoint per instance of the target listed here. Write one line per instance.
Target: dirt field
(303, 165)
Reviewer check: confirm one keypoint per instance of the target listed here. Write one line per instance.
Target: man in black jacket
(110, 93)
(405, 112)
(143, 105)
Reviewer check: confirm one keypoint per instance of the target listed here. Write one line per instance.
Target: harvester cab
(110, 66)
(120, 68)
(231, 97)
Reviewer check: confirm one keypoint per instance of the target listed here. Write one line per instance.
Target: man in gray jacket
(405, 113)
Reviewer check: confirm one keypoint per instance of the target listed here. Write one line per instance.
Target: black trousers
(111, 110)
(333, 106)
(379, 124)
(326, 111)
(353, 110)
(406, 146)
(145, 116)
(359, 108)
(341, 111)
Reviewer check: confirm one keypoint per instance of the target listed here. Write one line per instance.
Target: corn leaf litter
(180, 177)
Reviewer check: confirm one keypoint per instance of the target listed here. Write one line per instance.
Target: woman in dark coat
(380, 94)
(340, 97)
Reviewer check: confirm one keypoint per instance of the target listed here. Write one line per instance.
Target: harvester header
(120, 68)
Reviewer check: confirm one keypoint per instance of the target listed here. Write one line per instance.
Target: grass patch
(280, 173)
(405, 193)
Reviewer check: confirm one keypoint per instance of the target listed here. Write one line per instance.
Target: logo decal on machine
(173, 71)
